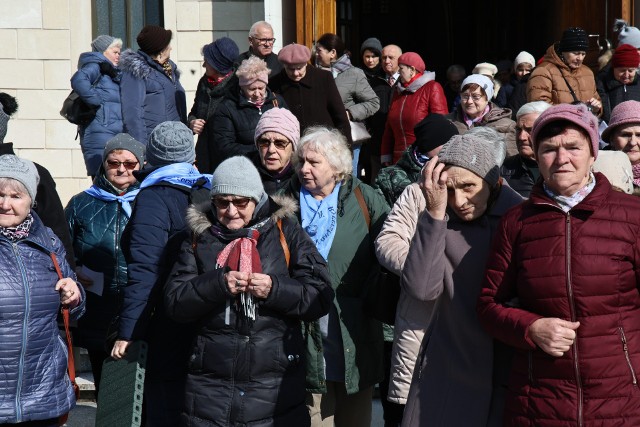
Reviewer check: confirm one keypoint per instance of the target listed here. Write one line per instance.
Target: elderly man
(390, 55)
(521, 170)
(261, 42)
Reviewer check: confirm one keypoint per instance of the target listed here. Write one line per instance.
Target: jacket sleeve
(143, 244)
(392, 244)
(540, 85)
(437, 100)
(306, 292)
(132, 94)
(199, 97)
(335, 106)
(223, 130)
(367, 102)
(66, 270)
(82, 82)
(425, 264)
(606, 103)
(386, 147)
(504, 322)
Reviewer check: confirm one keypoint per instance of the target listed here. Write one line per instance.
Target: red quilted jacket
(584, 266)
(408, 106)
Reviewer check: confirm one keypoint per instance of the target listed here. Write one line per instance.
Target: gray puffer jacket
(34, 384)
(358, 97)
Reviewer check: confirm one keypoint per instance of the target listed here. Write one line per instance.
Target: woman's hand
(69, 292)
(595, 105)
(260, 285)
(433, 182)
(554, 336)
(197, 125)
(120, 349)
(236, 281)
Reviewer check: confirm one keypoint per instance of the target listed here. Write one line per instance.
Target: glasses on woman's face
(280, 144)
(128, 165)
(239, 203)
(475, 97)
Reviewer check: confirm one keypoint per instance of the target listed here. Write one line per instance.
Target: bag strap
(575, 98)
(275, 102)
(283, 243)
(363, 206)
(71, 365)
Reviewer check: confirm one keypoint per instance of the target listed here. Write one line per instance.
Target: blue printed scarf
(124, 200)
(319, 218)
(182, 174)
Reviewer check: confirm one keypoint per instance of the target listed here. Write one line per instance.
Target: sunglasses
(279, 143)
(224, 203)
(114, 164)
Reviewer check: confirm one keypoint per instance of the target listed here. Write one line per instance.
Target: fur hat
(237, 176)
(293, 54)
(625, 113)
(573, 39)
(481, 80)
(221, 54)
(474, 154)
(432, 132)
(124, 141)
(625, 56)
(21, 170)
(153, 39)
(170, 142)
(412, 59)
(373, 44)
(578, 114)
(8, 106)
(102, 43)
(279, 120)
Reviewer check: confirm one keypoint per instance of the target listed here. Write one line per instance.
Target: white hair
(254, 28)
(115, 43)
(330, 143)
(538, 107)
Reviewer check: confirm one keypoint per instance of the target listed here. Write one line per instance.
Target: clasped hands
(257, 284)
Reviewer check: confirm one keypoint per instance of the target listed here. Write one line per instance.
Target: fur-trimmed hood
(199, 216)
(140, 64)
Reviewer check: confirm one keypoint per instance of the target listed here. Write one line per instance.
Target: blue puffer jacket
(148, 95)
(97, 83)
(33, 356)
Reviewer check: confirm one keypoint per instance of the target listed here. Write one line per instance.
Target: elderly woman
(150, 88)
(620, 82)
(311, 94)
(438, 235)
(97, 217)
(97, 83)
(416, 96)
(213, 86)
(342, 216)
(623, 134)
(475, 109)
(230, 132)
(561, 286)
(359, 99)
(277, 135)
(562, 77)
(247, 363)
(34, 384)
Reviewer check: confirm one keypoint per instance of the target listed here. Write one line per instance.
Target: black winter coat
(613, 92)
(231, 130)
(376, 123)
(518, 175)
(248, 373)
(273, 183)
(272, 62)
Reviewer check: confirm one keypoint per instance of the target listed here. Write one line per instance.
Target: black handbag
(76, 111)
(382, 297)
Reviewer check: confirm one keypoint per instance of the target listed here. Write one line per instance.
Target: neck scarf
(166, 66)
(342, 64)
(470, 122)
(636, 174)
(182, 174)
(216, 82)
(414, 78)
(18, 232)
(566, 203)
(124, 199)
(319, 218)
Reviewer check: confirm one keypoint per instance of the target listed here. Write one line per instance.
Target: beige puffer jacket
(413, 316)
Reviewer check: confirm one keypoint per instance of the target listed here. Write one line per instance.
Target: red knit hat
(412, 59)
(625, 56)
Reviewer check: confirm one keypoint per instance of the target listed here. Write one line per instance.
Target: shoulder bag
(76, 111)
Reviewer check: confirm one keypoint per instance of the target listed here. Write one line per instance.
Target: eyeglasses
(279, 143)
(114, 164)
(224, 203)
(475, 97)
(264, 41)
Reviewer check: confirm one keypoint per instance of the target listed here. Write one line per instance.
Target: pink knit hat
(412, 59)
(279, 120)
(293, 54)
(579, 115)
(625, 113)
(260, 77)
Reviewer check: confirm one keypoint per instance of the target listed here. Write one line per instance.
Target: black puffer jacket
(613, 92)
(231, 129)
(243, 373)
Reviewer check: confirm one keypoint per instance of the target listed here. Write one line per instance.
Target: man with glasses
(261, 43)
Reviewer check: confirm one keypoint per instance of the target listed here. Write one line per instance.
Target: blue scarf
(319, 218)
(182, 174)
(125, 200)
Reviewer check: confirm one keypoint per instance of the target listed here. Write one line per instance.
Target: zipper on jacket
(572, 307)
(530, 354)
(404, 135)
(625, 348)
(25, 319)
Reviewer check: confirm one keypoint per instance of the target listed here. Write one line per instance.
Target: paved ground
(84, 414)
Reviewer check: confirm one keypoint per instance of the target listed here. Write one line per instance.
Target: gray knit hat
(237, 176)
(474, 154)
(102, 43)
(373, 44)
(21, 170)
(124, 141)
(170, 142)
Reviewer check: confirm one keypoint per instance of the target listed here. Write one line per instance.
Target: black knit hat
(574, 39)
(153, 39)
(373, 44)
(432, 132)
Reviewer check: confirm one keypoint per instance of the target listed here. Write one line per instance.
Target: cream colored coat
(413, 315)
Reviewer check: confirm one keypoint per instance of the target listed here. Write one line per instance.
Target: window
(125, 18)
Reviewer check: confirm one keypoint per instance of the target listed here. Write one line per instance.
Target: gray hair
(254, 28)
(251, 68)
(14, 185)
(329, 142)
(496, 139)
(535, 107)
(115, 43)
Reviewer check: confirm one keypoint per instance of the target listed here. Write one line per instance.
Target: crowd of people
(503, 202)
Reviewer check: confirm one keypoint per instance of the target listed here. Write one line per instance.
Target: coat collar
(593, 201)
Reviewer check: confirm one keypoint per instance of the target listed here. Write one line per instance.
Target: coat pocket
(625, 349)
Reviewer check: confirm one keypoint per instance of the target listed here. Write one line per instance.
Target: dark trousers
(392, 411)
